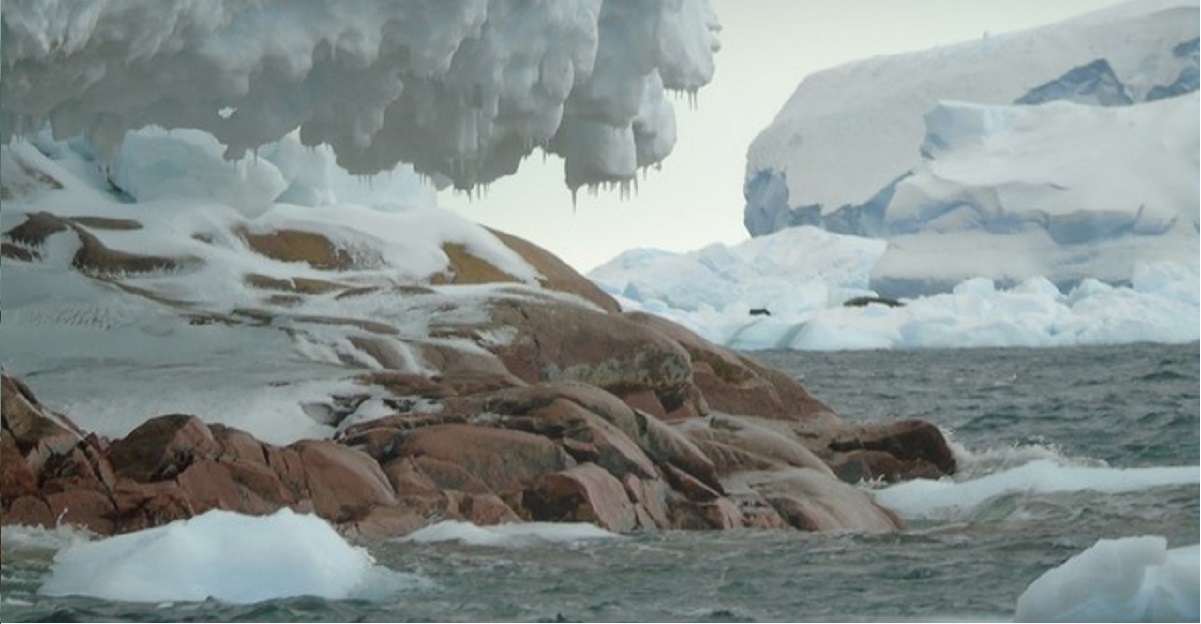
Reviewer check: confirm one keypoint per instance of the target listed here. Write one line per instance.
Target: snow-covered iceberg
(462, 89)
(1068, 152)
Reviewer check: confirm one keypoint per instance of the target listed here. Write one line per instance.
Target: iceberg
(1067, 152)
(226, 556)
(808, 289)
(1132, 579)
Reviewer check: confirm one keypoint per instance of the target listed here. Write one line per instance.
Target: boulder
(504, 460)
(584, 493)
(162, 447)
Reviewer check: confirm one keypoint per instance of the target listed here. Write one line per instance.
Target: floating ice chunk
(223, 555)
(509, 535)
(1133, 579)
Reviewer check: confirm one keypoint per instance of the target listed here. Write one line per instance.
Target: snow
(463, 90)
(226, 556)
(509, 535)
(1131, 579)
(804, 275)
(111, 358)
(871, 136)
(1068, 152)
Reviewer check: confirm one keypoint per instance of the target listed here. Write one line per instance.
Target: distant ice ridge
(1132, 579)
(462, 89)
(227, 556)
(1068, 151)
(798, 280)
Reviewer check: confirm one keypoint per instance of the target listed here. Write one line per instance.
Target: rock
(161, 448)
(559, 341)
(584, 493)
(343, 484)
(16, 478)
(906, 449)
(555, 274)
(146, 505)
(504, 460)
(657, 440)
(736, 384)
(28, 511)
(812, 500)
(82, 507)
(30, 423)
(314, 249)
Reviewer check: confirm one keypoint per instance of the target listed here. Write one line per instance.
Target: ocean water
(1116, 411)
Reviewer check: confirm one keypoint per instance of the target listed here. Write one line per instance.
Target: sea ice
(1132, 579)
(803, 276)
(226, 556)
(509, 535)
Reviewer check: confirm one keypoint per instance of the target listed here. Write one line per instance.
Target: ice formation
(1067, 151)
(462, 89)
(222, 555)
(801, 279)
(509, 535)
(1132, 579)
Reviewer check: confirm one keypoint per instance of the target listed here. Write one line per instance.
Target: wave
(929, 499)
(509, 535)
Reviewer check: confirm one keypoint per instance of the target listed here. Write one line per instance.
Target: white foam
(226, 556)
(930, 499)
(509, 535)
(1132, 579)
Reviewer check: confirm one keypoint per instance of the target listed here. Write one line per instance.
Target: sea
(1017, 417)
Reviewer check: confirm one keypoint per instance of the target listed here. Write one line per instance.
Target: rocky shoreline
(622, 420)
(500, 386)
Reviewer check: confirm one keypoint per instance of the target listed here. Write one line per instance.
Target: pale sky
(768, 47)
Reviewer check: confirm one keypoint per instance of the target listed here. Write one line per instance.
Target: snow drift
(462, 89)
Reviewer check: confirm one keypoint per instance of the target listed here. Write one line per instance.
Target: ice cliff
(1068, 151)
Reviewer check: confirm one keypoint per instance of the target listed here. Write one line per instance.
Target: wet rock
(584, 493)
(906, 449)
(161, 448)
(343, 484)
(504, 460)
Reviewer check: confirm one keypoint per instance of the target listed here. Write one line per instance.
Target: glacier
(1068, 152)
(461, 89)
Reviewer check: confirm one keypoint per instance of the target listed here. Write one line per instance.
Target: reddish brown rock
(504, 460)
(557, 275)
(905, 449)
(161, 448)
(344, 484)
(585, 493)
(28, 511)
(209, 485)
(83, 507)
(16, 478)
(557, 341)
(146, 505)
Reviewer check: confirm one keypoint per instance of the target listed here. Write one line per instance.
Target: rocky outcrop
(522, 401)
